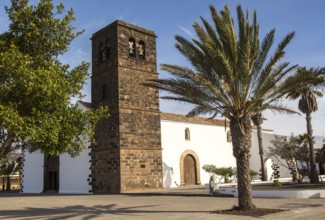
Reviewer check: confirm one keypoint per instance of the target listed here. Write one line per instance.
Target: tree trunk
(6, 146)
(8, 184)
(3, 183)
(313, 176)
(261, 152)
(241, 133)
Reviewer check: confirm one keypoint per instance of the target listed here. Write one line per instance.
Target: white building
(187, 143)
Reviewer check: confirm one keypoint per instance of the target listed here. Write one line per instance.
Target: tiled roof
(86, 104)
(199, 120)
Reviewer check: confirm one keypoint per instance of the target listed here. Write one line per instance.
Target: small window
(187, 134)
(104, 92)
(107, 51)
(132, 52)
(229, 138)
(142, 50)
(101, 52)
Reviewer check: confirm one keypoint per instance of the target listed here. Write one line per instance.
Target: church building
(137, 147)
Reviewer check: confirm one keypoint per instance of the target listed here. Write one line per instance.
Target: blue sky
(170, 17)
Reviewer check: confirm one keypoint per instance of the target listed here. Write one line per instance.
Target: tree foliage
(233, 75)
(226, 173)
(292, 154)
(36, 87)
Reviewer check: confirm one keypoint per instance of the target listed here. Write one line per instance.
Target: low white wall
(33, 172)
(209, 142)
(74, 173)
(276, 193)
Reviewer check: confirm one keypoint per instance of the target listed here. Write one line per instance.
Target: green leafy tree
(307, 95)
(288, 153)
(209, 168)
(36, 87)
(225, 172)
(232, 75)
(302, 141)
(253, 173)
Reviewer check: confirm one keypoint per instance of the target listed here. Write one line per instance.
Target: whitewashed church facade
(203, 139)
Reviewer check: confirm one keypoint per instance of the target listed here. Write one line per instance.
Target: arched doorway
(189, 168)
(51, 173)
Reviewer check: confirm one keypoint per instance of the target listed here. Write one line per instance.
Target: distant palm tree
(257, 120)
(230, 77)
(307, 95)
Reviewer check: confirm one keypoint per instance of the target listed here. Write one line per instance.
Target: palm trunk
(261, 152)
(241, 132)
(313, 176)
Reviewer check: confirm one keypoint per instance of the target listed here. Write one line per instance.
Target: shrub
(276, 183)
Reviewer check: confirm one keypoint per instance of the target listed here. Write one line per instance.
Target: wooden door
(189, 170)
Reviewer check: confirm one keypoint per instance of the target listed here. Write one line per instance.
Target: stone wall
(127, 153)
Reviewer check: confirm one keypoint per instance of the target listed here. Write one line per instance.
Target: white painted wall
(74, 173)
(255, 163)
(207, 141)
(33, 172)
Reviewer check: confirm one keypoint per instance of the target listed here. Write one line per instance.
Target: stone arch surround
(197, 163)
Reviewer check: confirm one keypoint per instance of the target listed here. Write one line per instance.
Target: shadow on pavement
(83, 212)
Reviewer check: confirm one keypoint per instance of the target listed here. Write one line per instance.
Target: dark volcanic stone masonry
(127, 153)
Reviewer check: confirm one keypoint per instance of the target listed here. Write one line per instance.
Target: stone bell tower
(127, 155)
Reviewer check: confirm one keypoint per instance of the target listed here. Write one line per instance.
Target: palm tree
(308, 104)
(230, 77)
(257, 120)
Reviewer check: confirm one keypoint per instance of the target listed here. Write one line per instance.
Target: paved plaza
(188, 203)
